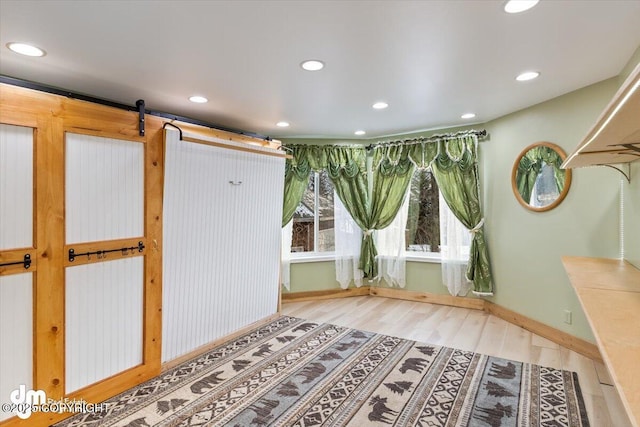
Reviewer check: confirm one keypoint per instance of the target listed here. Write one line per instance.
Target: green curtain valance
(320, 157)
(347, 162)
(392, 160)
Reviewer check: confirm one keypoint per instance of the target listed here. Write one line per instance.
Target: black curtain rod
(479, 133)
(73, 95)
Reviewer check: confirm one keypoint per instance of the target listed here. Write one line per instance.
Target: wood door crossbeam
(100, 251)
(17, 261)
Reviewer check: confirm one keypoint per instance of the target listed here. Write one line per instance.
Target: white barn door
(104, 275)
(222, 221)
(16, 259)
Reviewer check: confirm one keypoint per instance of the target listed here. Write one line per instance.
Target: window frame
(422, 256)
(314, 256)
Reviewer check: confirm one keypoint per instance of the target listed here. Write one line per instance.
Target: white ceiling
(430, 60)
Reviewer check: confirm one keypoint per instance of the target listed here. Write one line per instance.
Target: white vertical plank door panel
(193, 200)
(16, 335)
(104, 200)
(103, 320)
(104, 188)
(16, 231)
(16, 187)
(257, 212)
(222, 214)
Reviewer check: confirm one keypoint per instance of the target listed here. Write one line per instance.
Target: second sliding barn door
(17, 259)
(104, 258)
(222, 219)
(80, 249)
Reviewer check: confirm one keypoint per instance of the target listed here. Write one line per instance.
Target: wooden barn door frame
(51, 116)
(125, 379)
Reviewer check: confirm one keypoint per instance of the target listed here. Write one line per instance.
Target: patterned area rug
(293, 372)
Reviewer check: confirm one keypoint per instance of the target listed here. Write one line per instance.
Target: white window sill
(418, 257)
(431, 257)
(300, 258)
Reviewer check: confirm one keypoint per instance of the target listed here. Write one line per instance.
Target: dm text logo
(24, 400)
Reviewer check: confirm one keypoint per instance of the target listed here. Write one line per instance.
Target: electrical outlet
(567, 317)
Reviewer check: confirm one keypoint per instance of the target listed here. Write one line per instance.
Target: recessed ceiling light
(467, 116)
(359, 132)
(198, 99)
(380, 105)
(25, 49)
(312, 65)
(529, 75)
(282, 124)
(517, 6)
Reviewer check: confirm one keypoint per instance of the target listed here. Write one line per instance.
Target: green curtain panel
(296, 178)
(456, 171)
(526, 175)
(392, 172)
(347, 169)
(305, 159)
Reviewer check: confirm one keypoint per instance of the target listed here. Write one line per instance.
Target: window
(313, 220)
(425, 212)
(423, 219)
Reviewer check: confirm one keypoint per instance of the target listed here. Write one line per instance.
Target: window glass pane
(303, 220)
(423, 220)
(326, 234)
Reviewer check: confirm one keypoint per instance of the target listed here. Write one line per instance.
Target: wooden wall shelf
(609, 291)
(615, 137)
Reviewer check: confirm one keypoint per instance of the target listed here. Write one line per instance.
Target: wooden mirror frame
(567, 178)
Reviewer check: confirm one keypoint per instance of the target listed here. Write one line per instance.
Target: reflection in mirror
(546, 188)
(537, 180)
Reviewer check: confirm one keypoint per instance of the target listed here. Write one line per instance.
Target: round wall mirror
(537, 180)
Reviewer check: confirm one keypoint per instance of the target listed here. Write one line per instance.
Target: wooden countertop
(609, 291)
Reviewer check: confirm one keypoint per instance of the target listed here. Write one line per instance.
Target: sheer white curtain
(455, 241)
(285, 259)
(348, 240)
(391, 245)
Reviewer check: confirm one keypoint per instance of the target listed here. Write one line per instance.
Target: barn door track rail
(140, 107)
(26, 262)
(103, 254)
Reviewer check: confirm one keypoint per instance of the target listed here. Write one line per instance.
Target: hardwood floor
(471, 330)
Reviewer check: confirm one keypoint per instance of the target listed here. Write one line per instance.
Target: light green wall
(631, 65)
(526, 247)
(632, 215)
(313, 276)
(632, 191)
(318, 276)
